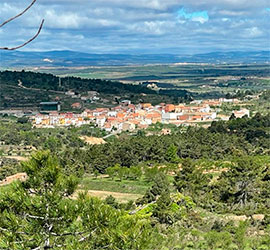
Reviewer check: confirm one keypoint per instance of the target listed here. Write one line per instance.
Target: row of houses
(128, 117)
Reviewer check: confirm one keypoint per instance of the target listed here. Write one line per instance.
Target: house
(179, 108)
(142, 126)
(70, 93)
(205, 108)
(167, 117)
(120, 115)
(85, 98)
(76, 96)
(223, 117)
(108, 126)
(111, 118)
(87, 113)
(212, 102)
(132, 107)
(92, 93)
(153, 117)
(241, 113)
(49, 106)
(100, 120)
(96, 98)
(76, 105)
(128, 126)
(196, 102)
(145, 105)
(166, 131)
(117, 124)
(38, 119)
(183, 117)
(112, 113)
(169, 108)
(125, 102)
(196, 118)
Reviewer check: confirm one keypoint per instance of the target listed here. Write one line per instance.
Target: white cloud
(114, 25)
(225, 19)
(65, 20)
(233, 13)
(252, 32)
(153, 27)
(199, 19)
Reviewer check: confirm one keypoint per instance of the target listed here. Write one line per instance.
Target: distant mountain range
(77, 59)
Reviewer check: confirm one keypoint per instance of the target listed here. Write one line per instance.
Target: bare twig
(20, 14)
(30, 40)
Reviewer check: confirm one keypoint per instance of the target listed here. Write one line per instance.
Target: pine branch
(67, 234)
(141, 208)
(37, 248)
(42, 217)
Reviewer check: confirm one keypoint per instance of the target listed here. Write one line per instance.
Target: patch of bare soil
(18, 158)
(92, 140)
(121, 197)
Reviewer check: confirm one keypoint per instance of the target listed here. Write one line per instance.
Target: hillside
(28, 89)
(194, 189)
(77, 59)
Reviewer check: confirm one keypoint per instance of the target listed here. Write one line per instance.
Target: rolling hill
(77, 59)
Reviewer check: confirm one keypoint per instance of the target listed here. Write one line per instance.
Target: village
(129, 117)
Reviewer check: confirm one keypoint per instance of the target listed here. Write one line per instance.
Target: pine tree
(40, 213)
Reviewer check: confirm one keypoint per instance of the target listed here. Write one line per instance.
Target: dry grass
(120, 197)
(92, 140)
(18, 158)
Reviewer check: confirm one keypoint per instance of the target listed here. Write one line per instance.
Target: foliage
(160, 186)
(40, 87)
(255, 130)
(244, 185)
(191, 180)
(195, 143)
(39, 213)
(8, 167)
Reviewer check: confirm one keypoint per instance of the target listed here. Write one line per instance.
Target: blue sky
(196, 16)
(141, 26)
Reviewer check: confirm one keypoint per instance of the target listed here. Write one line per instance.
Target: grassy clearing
(5, 188)
(120, 197)
(106, 184)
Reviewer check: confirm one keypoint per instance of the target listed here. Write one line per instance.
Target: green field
(172, 83)
(202, 78)
(106, 184)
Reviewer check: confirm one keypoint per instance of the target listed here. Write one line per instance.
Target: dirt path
(121, 197)
(20, 85)
(18, 158)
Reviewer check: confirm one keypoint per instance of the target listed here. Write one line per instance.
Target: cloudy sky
(140, 26)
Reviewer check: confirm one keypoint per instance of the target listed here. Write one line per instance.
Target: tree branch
(67, 234)
(42, 217)
(29, 41)
(3, 229)
(141, 208)
(20, 14)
